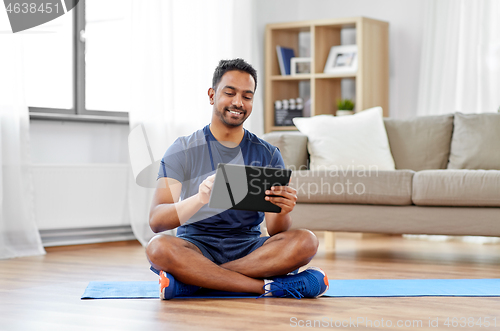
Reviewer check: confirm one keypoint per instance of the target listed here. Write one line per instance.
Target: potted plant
(344, 107)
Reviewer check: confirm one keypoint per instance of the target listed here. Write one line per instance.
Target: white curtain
(460, 65)
(175, 47)
(19, 235)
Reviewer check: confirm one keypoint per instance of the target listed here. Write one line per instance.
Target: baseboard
(79, 236)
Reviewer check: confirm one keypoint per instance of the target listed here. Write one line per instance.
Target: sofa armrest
(293, 147)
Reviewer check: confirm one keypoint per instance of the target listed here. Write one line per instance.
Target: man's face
(233, 98)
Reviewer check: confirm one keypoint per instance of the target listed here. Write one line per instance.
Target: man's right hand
(205, 189)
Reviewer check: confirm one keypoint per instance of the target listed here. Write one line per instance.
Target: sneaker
(171, 288)
(310, 283)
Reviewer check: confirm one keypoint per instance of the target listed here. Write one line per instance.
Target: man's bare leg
(187, 264)
(280, 254)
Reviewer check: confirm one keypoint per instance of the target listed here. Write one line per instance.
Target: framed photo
(342, 59)
(300, 65)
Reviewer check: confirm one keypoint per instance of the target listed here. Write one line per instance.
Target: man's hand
(284, 197)
(205, 189)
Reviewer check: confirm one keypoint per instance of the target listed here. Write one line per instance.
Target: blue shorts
(222, 250)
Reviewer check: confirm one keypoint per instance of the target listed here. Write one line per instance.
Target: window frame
(78, 113)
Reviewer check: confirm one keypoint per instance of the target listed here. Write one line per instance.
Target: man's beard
(226, 116)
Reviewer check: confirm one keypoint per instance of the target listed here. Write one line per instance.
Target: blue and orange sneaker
(171, 288)
(310, 283)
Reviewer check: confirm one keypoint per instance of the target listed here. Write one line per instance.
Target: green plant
(345, 104)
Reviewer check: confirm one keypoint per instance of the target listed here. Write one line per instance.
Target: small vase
(344, 112)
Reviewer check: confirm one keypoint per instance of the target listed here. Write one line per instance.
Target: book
(284, 56)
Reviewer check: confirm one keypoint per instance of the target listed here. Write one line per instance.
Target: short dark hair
(229, 65)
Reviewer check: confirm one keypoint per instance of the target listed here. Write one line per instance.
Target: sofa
(446, 180)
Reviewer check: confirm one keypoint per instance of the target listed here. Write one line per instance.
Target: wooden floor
(43, 293)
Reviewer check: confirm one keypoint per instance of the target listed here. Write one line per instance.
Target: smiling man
(224, 250)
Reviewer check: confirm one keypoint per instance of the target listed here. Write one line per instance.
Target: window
(76, 66)
(48, 66)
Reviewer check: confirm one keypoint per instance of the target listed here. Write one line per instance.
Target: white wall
(80, 173)
(57, 142)
(405, 37)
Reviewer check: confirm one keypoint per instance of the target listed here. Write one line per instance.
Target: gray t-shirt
(193, 158)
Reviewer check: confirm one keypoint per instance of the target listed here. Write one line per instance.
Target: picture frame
(342, 59)
(300, 66)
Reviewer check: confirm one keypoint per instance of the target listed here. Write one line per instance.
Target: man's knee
(308, 242)
(159, 250)
(304, 243)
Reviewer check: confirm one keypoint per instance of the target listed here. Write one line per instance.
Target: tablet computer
(243, 187)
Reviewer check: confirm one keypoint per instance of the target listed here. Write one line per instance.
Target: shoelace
(184, 289)
(289, 287)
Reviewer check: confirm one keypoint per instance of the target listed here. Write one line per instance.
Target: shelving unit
(371, 78)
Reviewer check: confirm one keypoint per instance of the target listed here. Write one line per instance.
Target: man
(224, 251)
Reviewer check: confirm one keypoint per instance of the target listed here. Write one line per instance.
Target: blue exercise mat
(147, 290)
(338, 288)
(122, 290)
(414, 288)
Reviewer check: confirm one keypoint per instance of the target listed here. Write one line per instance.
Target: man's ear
(211, 95)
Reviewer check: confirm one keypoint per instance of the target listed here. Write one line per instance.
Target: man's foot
(171, 288)
(310, 283)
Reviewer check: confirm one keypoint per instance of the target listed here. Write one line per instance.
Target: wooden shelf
(371, 78)
(283, 128)
(336, 75)
(311, 76)
(289, 77)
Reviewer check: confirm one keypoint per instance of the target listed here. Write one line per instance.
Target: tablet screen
(243, 187)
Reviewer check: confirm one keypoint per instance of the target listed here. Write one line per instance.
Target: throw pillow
(420, 143)
(293, 148)
(475, 143)
(357, 141)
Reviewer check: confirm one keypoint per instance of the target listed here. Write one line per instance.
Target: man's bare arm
(167, 212)
(286, 199)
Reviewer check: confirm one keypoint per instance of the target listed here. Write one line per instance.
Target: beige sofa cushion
(293, 147)
(457, 188)
(476, 142)
(420, 143)
(356, 187)
(459, 221)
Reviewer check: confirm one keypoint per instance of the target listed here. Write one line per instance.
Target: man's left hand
(282, 196)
